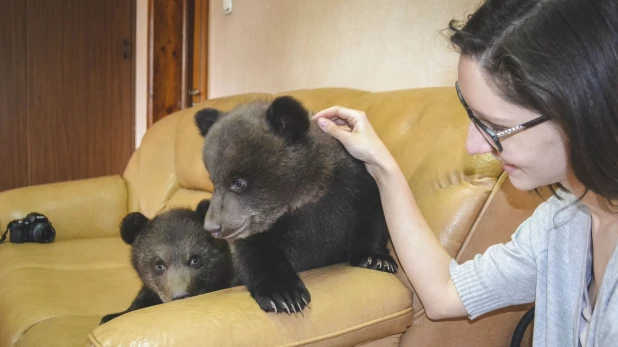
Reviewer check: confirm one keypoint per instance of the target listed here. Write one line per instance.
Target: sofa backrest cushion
(425, 130)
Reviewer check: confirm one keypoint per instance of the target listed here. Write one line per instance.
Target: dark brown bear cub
(288, 198)
(174, 257)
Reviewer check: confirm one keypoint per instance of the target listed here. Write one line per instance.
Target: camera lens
(42, 232)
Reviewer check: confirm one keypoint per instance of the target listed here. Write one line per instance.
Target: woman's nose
(475, 142)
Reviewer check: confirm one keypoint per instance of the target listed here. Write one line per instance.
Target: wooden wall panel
(13, 107)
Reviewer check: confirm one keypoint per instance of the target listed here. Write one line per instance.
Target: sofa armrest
(78, 209)
(349, 306)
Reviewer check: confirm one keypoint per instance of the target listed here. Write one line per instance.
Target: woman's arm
(422, 256)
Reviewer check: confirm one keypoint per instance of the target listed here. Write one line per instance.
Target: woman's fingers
(340, 122)
(338, 132)
(352, 129)
(341, 115)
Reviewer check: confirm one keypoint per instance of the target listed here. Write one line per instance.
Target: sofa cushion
(349, 306)
(42, 283)
(80, 209)
(64, 331)
(424, 129)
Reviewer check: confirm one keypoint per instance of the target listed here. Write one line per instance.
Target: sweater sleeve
(504, 275)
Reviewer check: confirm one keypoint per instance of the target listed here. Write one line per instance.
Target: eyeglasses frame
(495, 136)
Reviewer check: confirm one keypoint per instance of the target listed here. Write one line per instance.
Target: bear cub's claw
(290, 298)
(378, 262)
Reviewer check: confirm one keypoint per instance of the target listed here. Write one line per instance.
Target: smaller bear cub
(174, 257)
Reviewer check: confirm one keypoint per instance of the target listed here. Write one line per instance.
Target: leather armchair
(55, 294)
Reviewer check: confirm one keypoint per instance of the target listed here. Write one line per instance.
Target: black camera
(35, 227)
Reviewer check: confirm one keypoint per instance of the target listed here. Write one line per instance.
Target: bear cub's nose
(211, 227)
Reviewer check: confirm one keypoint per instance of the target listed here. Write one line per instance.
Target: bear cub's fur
(174, 257)
(288, 198)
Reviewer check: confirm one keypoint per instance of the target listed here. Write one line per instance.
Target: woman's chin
(523, 183)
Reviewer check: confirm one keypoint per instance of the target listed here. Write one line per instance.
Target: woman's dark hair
(557, 58)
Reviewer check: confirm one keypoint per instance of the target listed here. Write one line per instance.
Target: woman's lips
(509, 168)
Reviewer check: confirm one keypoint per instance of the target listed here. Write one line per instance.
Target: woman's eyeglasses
(492, 136)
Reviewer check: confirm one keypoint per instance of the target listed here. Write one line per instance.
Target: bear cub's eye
(160, 266)
(194, 261)
(239, 185)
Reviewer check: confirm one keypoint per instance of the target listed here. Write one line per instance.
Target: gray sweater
(546, 262)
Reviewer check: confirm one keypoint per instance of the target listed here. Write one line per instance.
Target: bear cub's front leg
(269, 276)
(145, 298)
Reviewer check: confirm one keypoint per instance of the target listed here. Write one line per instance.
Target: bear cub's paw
(379, 262)
(282, 296)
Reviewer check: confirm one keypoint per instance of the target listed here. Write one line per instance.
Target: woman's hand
(353, 130)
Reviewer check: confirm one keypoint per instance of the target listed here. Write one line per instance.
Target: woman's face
(534, 157)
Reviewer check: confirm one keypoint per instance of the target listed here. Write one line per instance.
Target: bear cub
(288, 198)
(174, 257)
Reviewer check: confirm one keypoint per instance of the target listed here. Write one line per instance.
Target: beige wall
(279, 45)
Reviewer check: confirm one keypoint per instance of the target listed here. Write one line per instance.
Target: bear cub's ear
(202, 208)
(205, 118)
(288, 118)
(131, 225)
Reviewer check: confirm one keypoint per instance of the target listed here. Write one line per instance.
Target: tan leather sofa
(55, 294)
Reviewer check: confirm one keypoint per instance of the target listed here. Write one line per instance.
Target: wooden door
(198, 52)
(13, 108)
(66, 89)
(167, 58)
(80, 88)
(178, 59)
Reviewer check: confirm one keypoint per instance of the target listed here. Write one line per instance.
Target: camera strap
(4, 235)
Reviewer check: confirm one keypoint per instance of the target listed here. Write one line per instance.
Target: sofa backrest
(465, 199)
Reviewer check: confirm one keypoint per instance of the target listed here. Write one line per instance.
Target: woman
(539, 80)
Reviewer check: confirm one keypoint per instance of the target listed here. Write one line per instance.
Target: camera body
(35, 227)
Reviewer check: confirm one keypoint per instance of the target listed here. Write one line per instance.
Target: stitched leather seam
(93, 339)
(350, 329)
(25, 331)
(496, 189)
